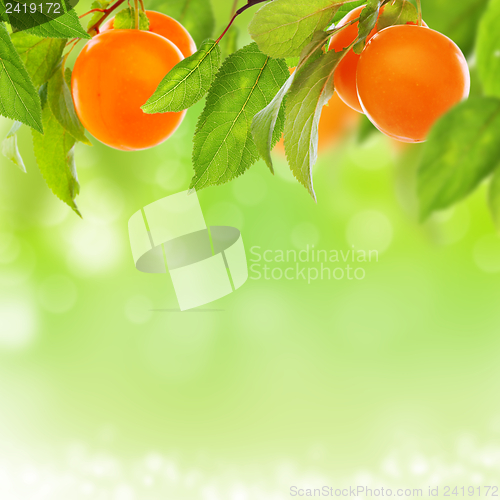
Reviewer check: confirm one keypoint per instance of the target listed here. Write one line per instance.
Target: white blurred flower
(18, 322)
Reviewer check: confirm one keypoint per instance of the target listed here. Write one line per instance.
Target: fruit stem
(419, 9)
(226, 30)
(91, 11)
(330, 33)
(106, 13)
(73, 44)
(249, 4)
(136, 13)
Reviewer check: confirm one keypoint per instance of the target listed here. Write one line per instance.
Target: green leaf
(223, 145)
(399, 12)
(264, 123)
(315, 48)
(10, 149)
(42, 92)
(195, 15)
(3, 15)
(488, 50)
(98, 4)
(367, 21)
(125, 20)
(54, 156)
(457, 19)
(494, 197)
(51, 25)
(67, 77)
(61, 104)
(344, 9)
(39, 55)
(18, 97)
(463, 149)
(187, 82)
(310, 91)
(283, 28)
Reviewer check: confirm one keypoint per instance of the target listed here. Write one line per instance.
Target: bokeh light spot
(18, 323)
(487, 254)
(172, 176)
(452, 225)
(92, 249)
(370, 230)
(102, 202)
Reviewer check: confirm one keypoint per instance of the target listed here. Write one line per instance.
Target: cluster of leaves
(195, 15)
(35, 85)
(35, 91)
(252, 100)
(463, 149)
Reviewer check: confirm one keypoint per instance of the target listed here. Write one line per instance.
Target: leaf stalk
(136, 13)
(419, 10)
(106, 12)
(250, 3)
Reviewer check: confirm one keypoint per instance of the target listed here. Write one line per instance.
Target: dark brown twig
(106, 13)
(250, 3)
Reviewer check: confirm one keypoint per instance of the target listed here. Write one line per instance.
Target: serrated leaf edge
(194, 185)
(149, 103)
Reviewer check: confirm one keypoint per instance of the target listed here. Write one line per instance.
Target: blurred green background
(388, 381)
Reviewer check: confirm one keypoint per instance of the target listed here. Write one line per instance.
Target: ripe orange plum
(166, 26)
(114, 75)
(408, 77)
(345, 73)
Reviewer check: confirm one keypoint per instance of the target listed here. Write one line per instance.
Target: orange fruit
(408, 77)
(114, 75)
(345, 73)
(166, 26)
